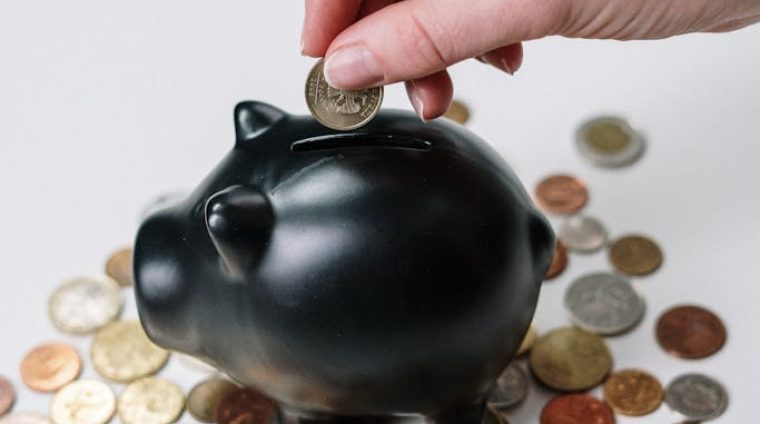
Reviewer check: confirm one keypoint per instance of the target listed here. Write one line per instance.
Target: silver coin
(696, 397)
(609, 142)
(162, 201)
(510, 389)
(603, 303)
(582, 234)
(24, 418)
(83, 305)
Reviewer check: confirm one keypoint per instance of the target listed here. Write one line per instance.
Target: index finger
(323, 20)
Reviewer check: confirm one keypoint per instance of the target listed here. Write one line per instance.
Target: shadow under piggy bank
(385, 272)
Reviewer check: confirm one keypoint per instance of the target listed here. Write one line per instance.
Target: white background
(104, 105)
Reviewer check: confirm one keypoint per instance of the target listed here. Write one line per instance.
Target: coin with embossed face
(151, 400)
(84, 304)
(603, 303)
(690, 332)
(83, 402)
(24, 418)
(7, 396)
(576, 409)
(51, 366)
(204, 398)
(635, 255)
(583, 234)
(696, 397)
(510, 389)
(633, 392)
(121, 351)
(340, 109)
(561, 194)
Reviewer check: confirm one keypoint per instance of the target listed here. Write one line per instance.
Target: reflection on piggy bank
(386, 272)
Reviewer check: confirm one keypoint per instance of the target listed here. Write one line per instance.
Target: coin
(205, 397)
(7, 396)
(510, 389)
(492, 415)
(340, 109)
(561, 194)
(603, 303)
(528, 340)
(570, 359)
(51, 366)
(119, 266)
(576, 409)
(696, 397)
(458, 112)
(582, 234)
(559, 261)
(162, 201)
(245, 406)
(151, 401)
(690, 332)
(609, 142)
(83, 402)
(24, 418)
(635, 255)
(633, 392)
(121, 351)
(82, 305)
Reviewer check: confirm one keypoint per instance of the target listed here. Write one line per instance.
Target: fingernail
(507, 67)
(417, 103)
(352, 67)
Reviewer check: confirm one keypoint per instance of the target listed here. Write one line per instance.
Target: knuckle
(425, 46)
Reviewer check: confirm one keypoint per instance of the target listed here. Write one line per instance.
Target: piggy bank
(382, 273)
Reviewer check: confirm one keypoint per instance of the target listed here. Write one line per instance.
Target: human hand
(377, 42)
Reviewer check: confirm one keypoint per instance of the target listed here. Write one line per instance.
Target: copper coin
(635, 255)
(576, 409)
(119, 267)
(690, 332)
(51, 366)
(7, 396)
(633, 392)
(559, 261)
(246, 406)
(561, 194)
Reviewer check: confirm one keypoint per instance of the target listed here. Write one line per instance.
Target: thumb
(416, 38)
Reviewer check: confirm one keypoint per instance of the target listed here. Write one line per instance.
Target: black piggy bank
(352, 277)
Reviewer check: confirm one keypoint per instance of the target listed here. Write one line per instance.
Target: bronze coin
(246, 406)
(119, 266)
(633, 392)
(561, 194)
(458, 112)
(635, 255)
(204, 398)
(576, 409)
(7, 396)
(51, 366)
(559, 261)
(690, 332)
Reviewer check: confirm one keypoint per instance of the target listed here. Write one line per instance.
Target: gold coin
(51, 366)
(633, 392)
(458, 112)
(570, 359)
(635, 255)
(204, 398)
(528, 341)
(340, 109)
(119, 266)
(83, 402)
(121, 351)
(151, 401)
(608, 137)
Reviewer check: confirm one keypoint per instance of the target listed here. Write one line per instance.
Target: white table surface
(104, 105)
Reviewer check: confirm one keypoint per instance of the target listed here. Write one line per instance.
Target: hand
(376, 42)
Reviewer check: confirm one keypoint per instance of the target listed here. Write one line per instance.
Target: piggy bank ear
(255, 118)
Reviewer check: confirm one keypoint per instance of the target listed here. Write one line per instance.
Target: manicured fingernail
(417, 103)
(353, 67)
(507, 67)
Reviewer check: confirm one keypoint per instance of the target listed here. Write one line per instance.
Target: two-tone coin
(635, 255)
(83, 402)
(690, 332)
(82, 305)
(609, 142)
(603, 303)
(583, 234)
(204, 398)
(561, 194)
(340, 109)
(119, 266)
(510, 389)
(633, 392)
(696, 397)
(245, 405)
(458, 112)
(121, 351)
(7, 396)
(24, 418)
(151, 400)
(559, 261)
(50, 366)
(528, 340)
(576, 409)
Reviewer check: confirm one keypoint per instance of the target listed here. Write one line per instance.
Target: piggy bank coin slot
(353, 141)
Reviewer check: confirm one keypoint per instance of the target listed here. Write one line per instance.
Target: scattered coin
(151, 400)
(582, 234)
(204, 398)
(635, 255)
(458, 112)
(340, 109)
(570, 359)
(511, 388)
(576, 409)
(7, 396)
(83, 402)
(559, 261)
(119, 267)
(690, 332)
(492, 415)
(24, 418)
(633, 392)
(246, 406)
(51, 366)
(696, 397)
(603, 303)
(84, 304)
(609, 142)
(121, 351)
(528, 340)
(160, 202)
(561, 194)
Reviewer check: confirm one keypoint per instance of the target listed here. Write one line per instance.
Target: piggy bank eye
(354, 141)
